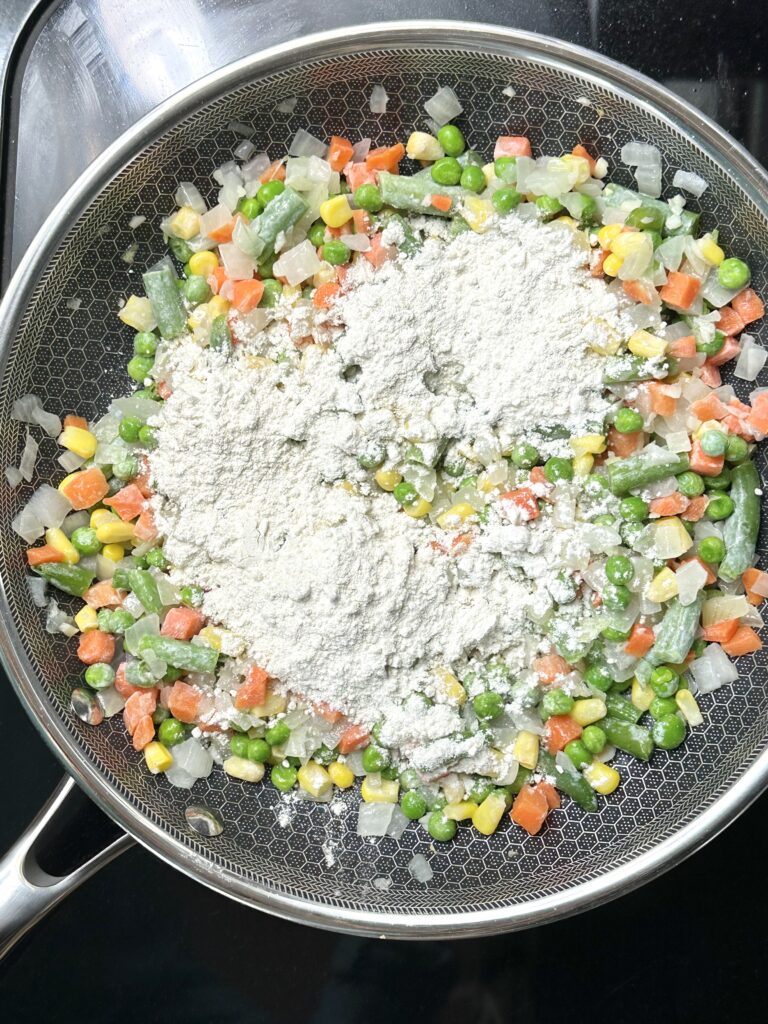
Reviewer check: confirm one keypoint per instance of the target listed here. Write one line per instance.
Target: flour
(342, 597)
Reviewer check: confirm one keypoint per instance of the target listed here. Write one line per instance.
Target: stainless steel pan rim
(447, 35)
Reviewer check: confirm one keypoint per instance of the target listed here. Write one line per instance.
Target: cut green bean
(72, 579)
(572, 783)
(280, 215)
(642, 469)
(164, 297)
(677, 632)
(633, 739)
(742, 527)
(627, 368)
(144, 586)
(412, 194)
(180, 653)
(620, 708)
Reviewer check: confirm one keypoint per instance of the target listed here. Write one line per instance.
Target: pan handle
(69, 840)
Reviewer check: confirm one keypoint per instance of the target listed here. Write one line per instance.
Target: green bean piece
(144, 586)
(639, 470)
(676, 633)
(163, 294)
(180, 653)
(221, 337)
(281, 213)
(633, 739)
(408, 193)
(72, 579)
(622, 709)
(572, 783)
(626, 368)
(741, 528)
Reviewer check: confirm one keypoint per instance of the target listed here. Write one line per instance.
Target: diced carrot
(144, 732)
(709, 408)
(583, 152)
(103, 595)
(461, 543)
(275, 172)
(246, 295)
(378, 252)
(740, 409)
(641, 640)
(758, 417)
(597, 258)
(345, 229)
(385, 158)
(216, 279)
(530, 809)
(551, 794)
(440, 202)
(164, 390)
(696, 509)
(183, 702)
(662, 402)
(222, 234)
(339, 152)
(550, 667)
(86, 488)
(641, 291)
(253, 691)
(325, 294)
(76, 421)
(523, 499)
(729, 351)
(353, 737)
(512, 145)
(330, 714)
(729, 321)
(710, 375)
(680, 289)
(124, 688)
(359, 174)
(142, 478)
(711, 577)
(44, 554)
(95, 646)
(706, 465)
(144, 528)
(683, 348)
(537, 476)
(559, 730)
(623, 445)
(749, 578)
(722, 632)
(744, 641)
(362, 221)
(182, 623)
(748, 305)
(128, 502)
(670, 505)
(141, 703)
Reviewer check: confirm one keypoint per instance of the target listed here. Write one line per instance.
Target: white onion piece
(246, 240)
(712, 290)
(69, 461)
(29, 457)
(638, 153)
(49, 421)
(751, 359)
(191, 756)
(13, 476)
(130, 405)
(147, 625)
(187, 194)
(75, 304)
(668, 541)
(49, 506)
(214, 219)
(298, 264)
(679, 441)
(240, 128)
(671, 251)
(132, 604)
(379, 100)
(105, 567)
(238, 265)
(606, 754)
(28, 526)
(135, 222)
(760, 584)
(724, 608)
(690, 182)
(357, 243)
(245, 150)
(110, 701)
(713, 669)
(354, 761)
(231, 191)
(106, 429)
(360, 150)
(374, 819)
(753, 618)
(419, 869)
(399, 823)
(444, 106)
(24, 407)
(288, 105)
(55, 618)
(254, 167)
(178, 777)
(36, 587)
(648, 180)
(691, 578)
(304, 144)
(230, 167)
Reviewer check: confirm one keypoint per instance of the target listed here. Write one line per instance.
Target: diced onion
(288, 105)
(130, 405)
(240, 128)
(691, 578)
(711, 290)
(679, 441)
(29, 457)
(232, 191)
(36, 586)
(245, 150)
(690, 182)
(444, 106)
(374, 819)
(69, 461)
(751, 359)
(640, 153)
(13, 476)
(230, 167)
(188, 194)
(246, 239)
(304, 144)
(671, 250)
(379, 100)
(215, 219)
(110, 701)
(55, 618)
(238, 265)
(49, 506)
(147, 625)
(360, 150)
(191, 756)
(419, 869)
(760, 584)
(180, 778)
(360, 243)
(135, 222)
(105, 567)
(298, 264)
(255, 167)
(24, 407)
(722, 609)
(648, 180)
(75, 304)
(670, 539)
(713, 669)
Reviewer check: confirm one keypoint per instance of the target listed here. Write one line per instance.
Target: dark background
(141, 942)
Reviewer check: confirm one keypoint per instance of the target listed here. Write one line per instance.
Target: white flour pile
(341, 596)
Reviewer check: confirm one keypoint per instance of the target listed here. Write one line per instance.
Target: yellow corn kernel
(606, 235)
(158, 757)
(258, 362)
(477, 212)
(588, 444)
(275, 704)
(324, 275)
(628, 242)
(375, 790)
(462, 810)
(663, 586)
(341, 776)
(710, 251)
(602, 777)
(420, 508)
(101, 515)
(314, 779)
(452, 688)
(335, 211)
(566, 221)
(612, 265)
(423, 146)
(59, 540)
(708, 425)
(211, 636)
(348, 486)
(647, 345)
(217, 306)
(137, 313)
(81, 442)
(67, 480)
(114, 532)
(589, 710)
(642, 696)
(387, 479)
(582, 464)
(688, 707)
(203, 263)
(455, 517)
(242, 768)
(578, 165)
(489, 170)
(114, 552)
(607, 341)
(488, 815)
(86, 619)
(198, 318)
(526, 749)
(185, 223)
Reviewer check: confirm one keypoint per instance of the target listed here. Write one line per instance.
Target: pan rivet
(204, 821)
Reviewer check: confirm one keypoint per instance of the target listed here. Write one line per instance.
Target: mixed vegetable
(643, 615)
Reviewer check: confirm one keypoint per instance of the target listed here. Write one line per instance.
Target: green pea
(324, 755)
(374, 758)
(616, 597)
(451, 139)
(410, 779)
(129, 428)
(714, 442)
(615, 635)
(196, 289)
(721, 482)
(85, 541)
(441, 829)
(737, 448)
(524, 455)
(468, 483)
(663, 681)
(373, 456)
(549, 207)
(711, 549)
(556, 702)
(488, 705)
(139, 368)
(619, 569)
(405, 493)
(598, 676)
(271, 294)
(156, 557)
(250, 206)
(283, 777)
(316, 233)
(633, 509)
(447, 171)
(238, 744)
(605, 519)
(147, 436)
(104, 619)
(628, 421)
(662, 706)
(594, 739)
(734, 273)
(505, 167)
(258, 750)
(269, 190)
(277, 734)
(171, 732)
(668, 732)
(149, 393)
(100, 676)
(711, 346)
(578, 753)
(368, 197)
(126, 467)
(191, 596)
(413, 805)
(645, 219)
(336, 253)
(505, 200)
(690, 484)
(144, 343)
(655, 238)
(557, 468)
(472, 178)
(720, 507)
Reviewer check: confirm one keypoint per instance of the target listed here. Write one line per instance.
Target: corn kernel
(420, 508)
(526, 749)
(488, 815)
(462, 810)
(588, 444)
(423, 146)
(137, 313)
(348, 486)
(242, 768)
(101, 515)
(86, 619)
(577, 165)
(708, 425)
(647, 345)
(602, 777)
(628, 242)
(642, 696)
(455, 517)
(314, 779)
(341, 776)
(375, 790)
(710, 251)
(452, 688)
(612, 265)
(589, 710)
(217, 306)
(688, 707)
(335, 211)
(477, 212)
(606, 235)
(114, 552)
(324, 275)
(275, 704)
(81, 442)
(566, 221)
(203, 263)
(185, 223)
(663, 586)
(607, 341)
(61, 542)
(582, 464)
(387, 479)
(114, 533)
(489, 170)
(158, 757)
(211, 636)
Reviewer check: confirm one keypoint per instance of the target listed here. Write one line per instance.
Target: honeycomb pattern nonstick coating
(75, 361)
